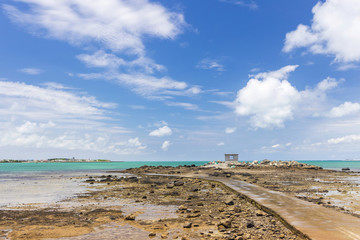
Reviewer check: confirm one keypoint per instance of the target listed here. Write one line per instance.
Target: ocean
(96, 166)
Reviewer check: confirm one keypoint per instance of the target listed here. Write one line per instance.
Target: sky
(173, 80)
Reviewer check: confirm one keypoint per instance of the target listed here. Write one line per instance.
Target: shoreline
(186, 208)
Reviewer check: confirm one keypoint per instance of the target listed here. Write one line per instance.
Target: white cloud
(57, 102)
(327, 84)
(55, 85)
(276, 146)
(347, 108)
(44, 135)
(143, 84)
(249, 4)
(269, 98)
(209, 64)
(165, 146)
(188, 106)
(221, 144)
(161, 132)
(31, 71)
(347, 66)
(230, 130)
(118, 25)
(335, 30)
(111, 61)
(345, 139)
(49, 118)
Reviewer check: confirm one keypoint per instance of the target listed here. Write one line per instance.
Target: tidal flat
(175, 203)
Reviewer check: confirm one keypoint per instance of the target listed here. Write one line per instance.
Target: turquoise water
(337, 165)
(59, 167)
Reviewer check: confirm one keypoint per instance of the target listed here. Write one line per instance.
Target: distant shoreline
(57, 160)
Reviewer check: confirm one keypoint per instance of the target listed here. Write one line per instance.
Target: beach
(165, 202)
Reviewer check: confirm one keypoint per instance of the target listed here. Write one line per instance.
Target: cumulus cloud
(230, 130)
(210, 64)
(335, 30)
(31, 71)
(347, 108)
(161, 132)
(268, 98)
(221, 144)
(165, 146)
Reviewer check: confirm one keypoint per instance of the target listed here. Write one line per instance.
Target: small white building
(231, 157)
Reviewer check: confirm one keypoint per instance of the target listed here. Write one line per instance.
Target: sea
(115, 165)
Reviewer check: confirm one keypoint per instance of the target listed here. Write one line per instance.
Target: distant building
(231, 157)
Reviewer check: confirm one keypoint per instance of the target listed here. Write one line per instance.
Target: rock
(246, 236)
(282, 236)
(228, 175)
(250, 224)
(187, 225)
(193, 215)
(237, 210)
(259, 213)
(182, 208)
(178, 183)
(265, 162)
(152, 234)
(130, 217)
(345, 169)
(226, 223)
(229, 202)
(194, 189)
(170, 185)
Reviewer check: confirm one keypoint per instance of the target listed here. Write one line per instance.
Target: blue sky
(180, 80)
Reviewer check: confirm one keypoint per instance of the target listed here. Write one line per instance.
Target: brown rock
(187, 225)
(226, 223)
(130, 217)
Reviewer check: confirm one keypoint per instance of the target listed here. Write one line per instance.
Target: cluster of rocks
(206, 210)
(263, 164)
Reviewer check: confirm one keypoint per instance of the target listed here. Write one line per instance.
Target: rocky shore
(156, 207)
(339, 190)
(139, 203)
